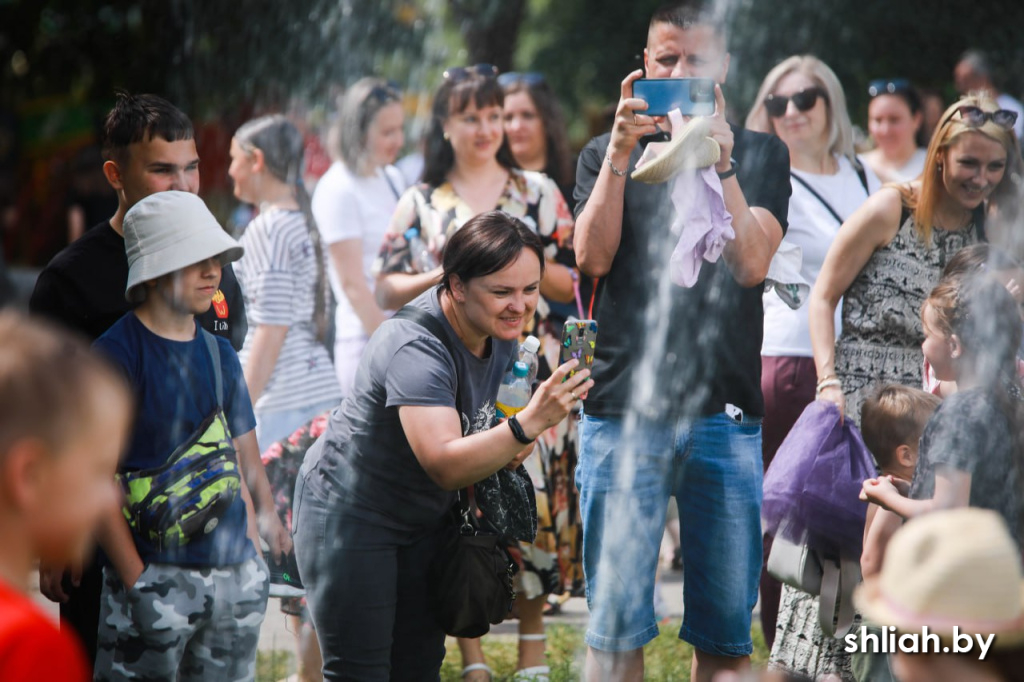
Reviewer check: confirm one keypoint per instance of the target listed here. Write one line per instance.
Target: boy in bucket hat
(185, 590)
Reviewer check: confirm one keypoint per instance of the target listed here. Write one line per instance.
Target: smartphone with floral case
(579, 338)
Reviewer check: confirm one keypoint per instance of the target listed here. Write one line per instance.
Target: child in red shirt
(64, 418)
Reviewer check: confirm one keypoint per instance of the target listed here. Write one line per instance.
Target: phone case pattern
(578, 341)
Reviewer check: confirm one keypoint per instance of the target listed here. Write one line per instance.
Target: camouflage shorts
(182, 624)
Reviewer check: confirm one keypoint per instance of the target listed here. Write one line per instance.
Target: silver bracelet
(827, 383)
(616, 171)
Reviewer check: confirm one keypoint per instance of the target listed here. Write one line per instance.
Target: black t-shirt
(83, 289)
(712, 354)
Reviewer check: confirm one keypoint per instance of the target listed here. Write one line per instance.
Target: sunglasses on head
(530, 78)
(388, 91)
(975, 117)
(887, 86)
(456, 74)
(803, 101)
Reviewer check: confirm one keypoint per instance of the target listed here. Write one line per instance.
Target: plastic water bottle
(514, 392)
(528, 355)
(422, 258)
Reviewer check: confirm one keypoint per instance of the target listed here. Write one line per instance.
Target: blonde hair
(840, 130)
(950, 128)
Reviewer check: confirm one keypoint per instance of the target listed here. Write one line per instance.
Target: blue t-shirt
(175, 391)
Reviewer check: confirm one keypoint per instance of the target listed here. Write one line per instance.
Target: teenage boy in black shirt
(149, 147)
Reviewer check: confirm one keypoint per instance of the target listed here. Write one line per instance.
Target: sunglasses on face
(530, 78)
(889, 86)
(976, 117)
(456, 74)
(803, 101)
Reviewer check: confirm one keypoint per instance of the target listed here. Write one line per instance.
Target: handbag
(186, 496)
(471, 574)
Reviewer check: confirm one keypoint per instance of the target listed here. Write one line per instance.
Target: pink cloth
(702, 222)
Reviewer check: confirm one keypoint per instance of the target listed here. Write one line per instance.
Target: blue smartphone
(692, 96)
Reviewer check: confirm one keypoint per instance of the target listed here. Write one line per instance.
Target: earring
(938, 168)
(446, 138)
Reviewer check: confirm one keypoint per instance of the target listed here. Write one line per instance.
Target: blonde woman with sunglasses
(802, 102)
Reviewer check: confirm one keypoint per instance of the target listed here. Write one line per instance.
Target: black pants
(367, 591)
(81, 612)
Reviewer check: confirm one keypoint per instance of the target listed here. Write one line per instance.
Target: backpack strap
(218, 376)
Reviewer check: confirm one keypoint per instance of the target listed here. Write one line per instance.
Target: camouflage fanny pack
(171, 504)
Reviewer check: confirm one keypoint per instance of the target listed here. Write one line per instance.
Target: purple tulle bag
(811, 488)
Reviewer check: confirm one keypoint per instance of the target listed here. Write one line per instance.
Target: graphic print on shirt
(484, 419)
(220, 305)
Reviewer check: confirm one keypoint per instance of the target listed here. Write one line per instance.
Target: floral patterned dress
(552, 564)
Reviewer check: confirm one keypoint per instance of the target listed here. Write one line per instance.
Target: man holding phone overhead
(697, 434)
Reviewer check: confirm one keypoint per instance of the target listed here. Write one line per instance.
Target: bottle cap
(521, 369)
(411, 233)
(532, 344)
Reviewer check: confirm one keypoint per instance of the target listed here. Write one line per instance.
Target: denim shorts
(713, 467)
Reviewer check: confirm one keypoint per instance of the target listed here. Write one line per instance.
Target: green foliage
(586, 47)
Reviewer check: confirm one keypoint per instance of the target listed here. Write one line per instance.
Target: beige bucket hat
(689, 149)
(168, 231)
(956, 568)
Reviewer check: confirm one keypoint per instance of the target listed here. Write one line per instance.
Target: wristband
(733, 165)
(517, 431)
(616, 171)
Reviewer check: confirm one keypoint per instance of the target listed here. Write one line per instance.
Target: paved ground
(275, 634)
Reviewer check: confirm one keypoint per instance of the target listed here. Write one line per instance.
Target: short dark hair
(894, 415)
(451, 98)
(690, 13)
(486, 244)
(137, 118)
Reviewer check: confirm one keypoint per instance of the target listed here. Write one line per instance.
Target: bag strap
(218, 377)
(434, 326)
(391, 183)
(837, 584)
(807, 186)
(858, 167)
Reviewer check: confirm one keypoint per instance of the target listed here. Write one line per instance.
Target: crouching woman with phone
(374, 493)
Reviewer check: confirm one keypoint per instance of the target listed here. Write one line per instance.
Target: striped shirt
(278, 279)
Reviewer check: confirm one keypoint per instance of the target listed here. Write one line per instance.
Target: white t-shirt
(1006, 102)
(912, 168)
(347, 206)
(811, 227)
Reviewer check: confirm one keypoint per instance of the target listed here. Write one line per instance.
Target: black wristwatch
(733, 165)
(517, 431)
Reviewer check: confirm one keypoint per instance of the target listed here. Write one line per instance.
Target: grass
(666, 658)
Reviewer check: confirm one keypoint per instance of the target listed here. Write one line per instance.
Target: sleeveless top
(882, 333)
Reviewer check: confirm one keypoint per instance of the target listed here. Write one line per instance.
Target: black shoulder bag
(471, 575)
